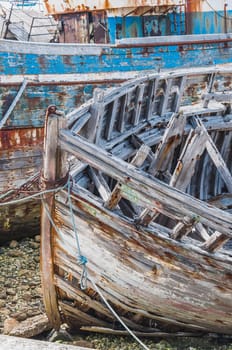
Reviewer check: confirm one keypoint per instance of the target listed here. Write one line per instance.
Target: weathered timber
(149, 210)
(51, 174)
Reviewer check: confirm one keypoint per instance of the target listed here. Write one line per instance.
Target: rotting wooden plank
(126, 99)
(78, 295)
(81, 122)
(194, 147)
(54, 121)
(202, 232)
(170, 140)
(74, 312)
(210, 87)
(16, 343)
(111, 121)
(162, 156)
(166, 96)
(216, 157)
(137, 161)
(223, 97)
(139, 100)
(179, 94)
(146, 192)
(97, 110)
(183, 228)
(151, 98)
(156, 334)
(100, 183)
(215, 242)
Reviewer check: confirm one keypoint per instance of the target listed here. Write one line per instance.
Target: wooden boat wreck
(94, 47)
(140, 220)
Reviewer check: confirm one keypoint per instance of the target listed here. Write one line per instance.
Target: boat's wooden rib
(149, 202)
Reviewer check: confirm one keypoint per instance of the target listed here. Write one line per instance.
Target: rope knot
(82, 260)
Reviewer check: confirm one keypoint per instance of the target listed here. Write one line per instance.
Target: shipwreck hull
(66, 74)
(21, 156)
(147, 207)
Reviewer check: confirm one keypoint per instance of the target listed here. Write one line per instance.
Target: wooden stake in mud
(52, 173)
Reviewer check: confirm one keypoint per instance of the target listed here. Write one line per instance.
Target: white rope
(116, 315)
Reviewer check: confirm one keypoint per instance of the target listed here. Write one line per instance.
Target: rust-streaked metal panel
(62, 6)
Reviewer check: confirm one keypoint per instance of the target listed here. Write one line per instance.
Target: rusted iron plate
(54, 6)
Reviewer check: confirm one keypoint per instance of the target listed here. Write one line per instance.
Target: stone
(31, 327)
(34, 245)
(13, 244)
(9, 324)
(10, 291)
(37, 238)
(2, 303)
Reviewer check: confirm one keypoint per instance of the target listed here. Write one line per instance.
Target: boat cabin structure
(109, 21)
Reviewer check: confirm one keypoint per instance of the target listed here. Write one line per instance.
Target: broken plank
(137, 161)
(215, 242)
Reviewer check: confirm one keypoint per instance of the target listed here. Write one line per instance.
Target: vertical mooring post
(53, 171)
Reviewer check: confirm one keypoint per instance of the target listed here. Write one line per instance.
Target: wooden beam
(53, 170)
(137, 161)
(144, 191)
(170, 140)
(216, 157)
(183, 228)
(215, 242)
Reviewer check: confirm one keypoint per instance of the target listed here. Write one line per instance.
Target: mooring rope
(82, 260)
(117, 316)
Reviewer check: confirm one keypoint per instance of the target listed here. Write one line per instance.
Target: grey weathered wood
(144, 191)
(16, 343)
(183, 228)
(152, 97)
(179, 94)
(54, 169)
(137, 161)
(216, 157)
(215, 242)
(223, 97)
(111, 120)
(182, 279)
(97, 110)
(100, 183)
(81, 122)
(125, 104)
(139, 99)
(166, 96)
(163, 155)
(194, 147)
(210, 87)
(170, 140)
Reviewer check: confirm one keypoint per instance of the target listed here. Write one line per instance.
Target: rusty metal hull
(145, 221)
(21, 155)
(66, 74)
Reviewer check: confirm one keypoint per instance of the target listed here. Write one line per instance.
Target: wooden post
(52, 172)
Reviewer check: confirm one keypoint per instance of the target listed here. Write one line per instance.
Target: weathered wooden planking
(145, 191)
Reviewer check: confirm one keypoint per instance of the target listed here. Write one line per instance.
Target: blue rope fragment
(82, 260)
